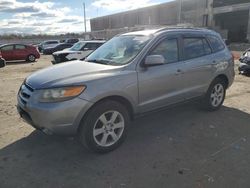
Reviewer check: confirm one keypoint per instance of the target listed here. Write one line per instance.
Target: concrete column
(248, 28)
(210, 13)
(179, 4)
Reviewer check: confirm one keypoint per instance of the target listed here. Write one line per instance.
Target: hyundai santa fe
(131, 74)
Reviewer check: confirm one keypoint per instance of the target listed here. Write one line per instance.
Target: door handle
(214, 62)
(178, 71)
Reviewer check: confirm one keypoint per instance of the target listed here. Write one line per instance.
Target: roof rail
(179, 27)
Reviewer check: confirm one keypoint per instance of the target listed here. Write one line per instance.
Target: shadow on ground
(180, 147)
(13, 63)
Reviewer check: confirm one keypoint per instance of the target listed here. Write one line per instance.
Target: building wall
(164, 14)
(200, 13)
(221, 3)
(192, 11)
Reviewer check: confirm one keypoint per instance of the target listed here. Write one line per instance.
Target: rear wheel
(105, 126)
(215, 95)
(31, 58)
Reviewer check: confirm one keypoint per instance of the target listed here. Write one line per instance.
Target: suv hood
(66, 51)
(73, 73)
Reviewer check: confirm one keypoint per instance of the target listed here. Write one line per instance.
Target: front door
(7, 52)
(161, 85)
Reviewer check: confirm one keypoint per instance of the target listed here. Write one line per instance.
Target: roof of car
(51, 41)
(168, 29)
(93, 41)
(15, 44)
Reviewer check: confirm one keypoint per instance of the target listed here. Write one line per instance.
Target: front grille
(60, 57)
(25, 93)
(29, 87)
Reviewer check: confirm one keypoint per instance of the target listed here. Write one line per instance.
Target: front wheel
(215, 95)
(31, 58)
(105, 127)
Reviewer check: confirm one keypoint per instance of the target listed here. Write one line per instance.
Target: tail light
(0, 54)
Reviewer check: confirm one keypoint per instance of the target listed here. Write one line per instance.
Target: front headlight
(61, 94)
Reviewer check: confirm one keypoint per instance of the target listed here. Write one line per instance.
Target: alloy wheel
(108, 128)
(217, 95)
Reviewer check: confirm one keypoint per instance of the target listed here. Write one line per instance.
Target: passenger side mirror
(153, 60)
(2, 63)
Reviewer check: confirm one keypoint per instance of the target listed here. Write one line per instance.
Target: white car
(77, 52)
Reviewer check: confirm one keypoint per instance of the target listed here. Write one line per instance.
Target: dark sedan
(2, 62)
(56, 48)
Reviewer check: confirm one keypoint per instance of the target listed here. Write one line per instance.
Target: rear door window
(90, 46)
(206, 46)
(195, 47)
(20, 47)
(216, 43)
(168, 48)
(52, 42)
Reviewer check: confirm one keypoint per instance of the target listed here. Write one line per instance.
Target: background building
(231, 18)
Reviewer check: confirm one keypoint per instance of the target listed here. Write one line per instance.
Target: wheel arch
(224, 78)
(29, 54)
(124, 101)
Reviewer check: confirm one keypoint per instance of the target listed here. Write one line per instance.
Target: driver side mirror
(153, 60)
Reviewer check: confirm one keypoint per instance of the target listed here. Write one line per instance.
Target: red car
(12, 52)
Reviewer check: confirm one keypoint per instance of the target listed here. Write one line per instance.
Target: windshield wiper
(100, 61)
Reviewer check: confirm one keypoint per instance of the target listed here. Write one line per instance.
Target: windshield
(78, 46)
(119, 50)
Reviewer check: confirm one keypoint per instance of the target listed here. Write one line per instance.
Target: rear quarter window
(216, 44)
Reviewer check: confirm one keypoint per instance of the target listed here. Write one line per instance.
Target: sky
(59, 16)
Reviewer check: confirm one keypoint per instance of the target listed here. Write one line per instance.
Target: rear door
(161, 85)
(20, 52)
(197, 70)
(7, 52)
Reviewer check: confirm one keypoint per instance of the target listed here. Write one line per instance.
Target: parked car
(79, 51)
(47, 44)
(71, 40)
(56, 48)
(244, 66)
(131, 74)
(2, 62)
(13, 52)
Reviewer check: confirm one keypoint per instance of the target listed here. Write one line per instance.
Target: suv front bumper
(61, 118)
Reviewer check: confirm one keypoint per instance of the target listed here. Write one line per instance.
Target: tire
(31, 58)
(98, 132)
(215, 95)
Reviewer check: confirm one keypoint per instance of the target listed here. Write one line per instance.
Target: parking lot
(178, 147)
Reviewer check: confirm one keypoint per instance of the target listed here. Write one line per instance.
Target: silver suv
(131, 74)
